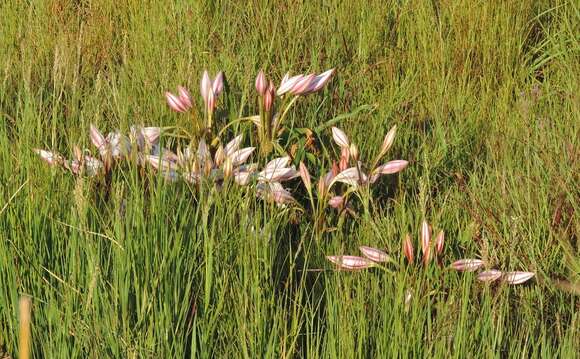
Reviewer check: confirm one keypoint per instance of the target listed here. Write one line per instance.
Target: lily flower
(408, 250)
(517, 277)
(278, 170)
(53, 159)
(351, 262)
(489, 275)
(304, 84)
(261, 83)
(115, 145)
(467, 265)
(211, 89)
(180, 102)
(374, 254)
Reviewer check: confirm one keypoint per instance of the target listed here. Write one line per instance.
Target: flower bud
(354, 152)
(335, 169)
(408, 250)
(305, 176)
(228, 167)
(219, 156)
(344, 157)
(269, 97)
(261, 83)
(321, 187)
(388, 141)
(439, 242)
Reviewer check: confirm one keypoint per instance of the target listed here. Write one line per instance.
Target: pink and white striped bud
(374, 254)
(489, 275)
(351, 262)
(388, 141)
(288, 83)
(184, 96)
(354, 152)
(219, 156)
(205, 86)
(439, 242)
(344, 158)
(261, 83)
(467, 265)
(269, 97)
(175, 102)
(322, 187)
(218, 84)
(320, 81)
(408, 250)
(340, 137)
(335, 169)
(228, 167)
(211, 101)
(301, 87)
(305, 176)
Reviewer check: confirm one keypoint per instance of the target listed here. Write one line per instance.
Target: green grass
(485, 98)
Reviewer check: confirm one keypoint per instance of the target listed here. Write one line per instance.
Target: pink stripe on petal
(174, 102)
(218, 84)
(374, 254)
(489, 275)
(391, 167)
(184, 96)
(340, 137)
(288, 84)
(517, 277)
(301, 87)
(205, 86)
(351, 262)
(467, 265)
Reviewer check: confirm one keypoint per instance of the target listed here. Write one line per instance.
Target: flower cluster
(112, 148)
(206, 160)
(268, 121)
(351, 172)
(373, 257)
(427, 245)
(491, 275)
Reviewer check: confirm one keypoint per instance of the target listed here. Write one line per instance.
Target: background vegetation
(485, 98)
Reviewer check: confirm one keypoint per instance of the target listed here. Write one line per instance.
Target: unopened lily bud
(344, 157)
(408, 250)
(211, 102)
(335, 169)
(261, 83)
(219, 156)
(354, 152)
(321, 187)
(439, 241)
(269, 97)
(218, 84)
(388, 141)
(305, 176)
(228, 167)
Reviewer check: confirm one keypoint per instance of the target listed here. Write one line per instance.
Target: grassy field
(485, 99)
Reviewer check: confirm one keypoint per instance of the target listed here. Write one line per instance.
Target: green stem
(281, 119)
